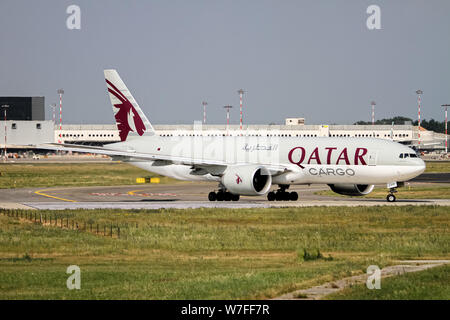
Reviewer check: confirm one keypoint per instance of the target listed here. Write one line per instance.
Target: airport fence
(65, 222)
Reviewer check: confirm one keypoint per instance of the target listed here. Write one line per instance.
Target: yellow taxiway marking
(131, 193)
(41, 193)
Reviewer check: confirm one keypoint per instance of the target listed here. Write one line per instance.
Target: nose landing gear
(282, 195)
(391, 197)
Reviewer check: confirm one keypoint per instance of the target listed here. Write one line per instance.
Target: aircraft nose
(420, 166)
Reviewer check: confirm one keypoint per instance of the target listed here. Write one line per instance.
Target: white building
(24, 134)
(90, 133)
(27, 134)
(407, 134)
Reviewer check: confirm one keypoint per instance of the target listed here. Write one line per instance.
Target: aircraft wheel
(279, 196)
(227, 196)
(235, 197)
(212, 196)
(390, 198)
(220, 196)
(286, 196)
(271, 196)
(293, 196)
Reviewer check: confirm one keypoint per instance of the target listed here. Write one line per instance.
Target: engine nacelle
(249, 180)
(352, 189)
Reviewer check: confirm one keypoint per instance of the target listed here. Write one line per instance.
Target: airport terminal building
(28, 134)
(26, 128)
(294, 127)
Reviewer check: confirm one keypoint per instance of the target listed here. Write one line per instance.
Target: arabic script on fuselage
(260, 147)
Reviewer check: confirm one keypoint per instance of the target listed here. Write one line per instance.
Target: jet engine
(249, 180)
(352, 189)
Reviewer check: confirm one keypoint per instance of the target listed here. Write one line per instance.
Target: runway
(178, 196)
(442, 177)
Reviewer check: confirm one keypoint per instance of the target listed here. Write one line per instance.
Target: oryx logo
(127, 118)
(238, 179)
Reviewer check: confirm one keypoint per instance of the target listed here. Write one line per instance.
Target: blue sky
(313, 59)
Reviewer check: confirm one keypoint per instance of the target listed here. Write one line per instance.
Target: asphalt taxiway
(179, 195)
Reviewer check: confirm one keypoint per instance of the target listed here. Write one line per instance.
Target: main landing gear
(222, 195)
(391, 197)
(282, 195)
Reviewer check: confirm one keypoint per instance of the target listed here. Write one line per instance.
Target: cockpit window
(407, 155)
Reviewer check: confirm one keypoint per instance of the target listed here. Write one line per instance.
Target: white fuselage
(311, 160)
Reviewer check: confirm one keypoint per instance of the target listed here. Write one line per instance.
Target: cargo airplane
(250, 165)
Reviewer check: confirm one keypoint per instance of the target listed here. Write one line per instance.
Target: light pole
(446, 138)
(241, 93)
(373, 112)
(228, 116)
(392, 131)
(5, 107)
(419, 93)
(60, 92)
(204, 103)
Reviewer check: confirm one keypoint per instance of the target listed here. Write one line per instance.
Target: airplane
(248, 164)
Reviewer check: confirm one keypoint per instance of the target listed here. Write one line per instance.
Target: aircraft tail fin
(129, 116)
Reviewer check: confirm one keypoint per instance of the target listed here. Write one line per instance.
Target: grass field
(437, 166)
(71, 174)
(429, 284)
(407, 192)
(213, 253)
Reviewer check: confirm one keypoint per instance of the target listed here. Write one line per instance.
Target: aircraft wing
(415, 141)
(213, 166)
(425, 143)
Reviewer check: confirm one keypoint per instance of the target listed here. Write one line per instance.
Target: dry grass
(192, 254)
(437, 166)
(71, 174)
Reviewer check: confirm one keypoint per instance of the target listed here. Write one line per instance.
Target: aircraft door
(373, 156)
